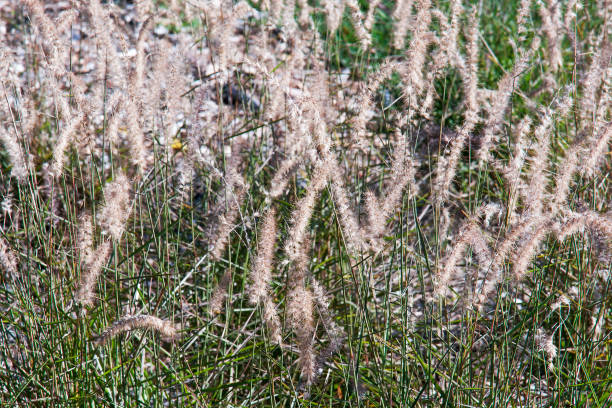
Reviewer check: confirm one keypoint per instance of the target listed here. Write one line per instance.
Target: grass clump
(305, 203)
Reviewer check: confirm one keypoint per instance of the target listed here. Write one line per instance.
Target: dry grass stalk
(302, 214)
(300, 314)
(538, 178)
(232, 199)
(570, 21)
(300, 302)
(57, 50)
(9, 135)
(305, 11)
(596, 150)
(535, 190)
(274, 8)
(402, 17)
(261, 272)
(366, 103)
(594, 78)
(402, 177)
(279, 182)
(352, 232)
(545, 343)
(85, 235)
(56, 53)
(114, 119)
(500, 103)
(104, 26)
(118, 74)
(217, 301)
(94, 262)
(92, 259)
(371, 16)
(551, 25)
(8, 261)
(520, 229)
(64, 139)
(20, 168)
(412, 76)
(168, 331)
(358, 22)
(447, 165)
(138, 76)
(334, 331)
(115, 212)
(222, 34)
(334, 11)
(261, 275)
(521, 18)
(564, 179)
(272, 320)
(512, 170)
(300, 306)
(448, 53)
(525, 252)
(470, 235)
(579, 222)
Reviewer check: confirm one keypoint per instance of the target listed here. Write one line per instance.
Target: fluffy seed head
(168, 331)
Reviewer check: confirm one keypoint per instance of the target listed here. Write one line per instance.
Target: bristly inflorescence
(166, 329)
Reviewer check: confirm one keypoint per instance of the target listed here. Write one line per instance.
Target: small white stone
(130, 53)
(160, 30)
